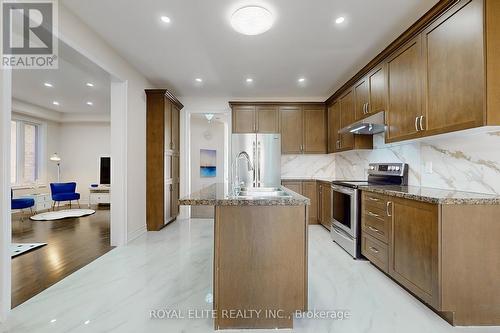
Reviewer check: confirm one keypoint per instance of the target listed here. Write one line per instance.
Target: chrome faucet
(236, 183)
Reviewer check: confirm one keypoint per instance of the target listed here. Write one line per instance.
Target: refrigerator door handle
(258, 164)
(254, 165)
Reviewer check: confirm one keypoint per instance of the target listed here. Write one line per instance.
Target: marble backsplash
(464, 162)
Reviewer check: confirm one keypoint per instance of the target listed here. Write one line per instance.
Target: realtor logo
(29, 39)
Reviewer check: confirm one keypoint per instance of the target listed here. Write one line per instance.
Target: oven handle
(342, 189)
(340, 232)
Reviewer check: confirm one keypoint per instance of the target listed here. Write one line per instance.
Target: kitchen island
(260, 257)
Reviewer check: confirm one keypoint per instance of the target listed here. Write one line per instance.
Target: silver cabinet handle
(364, 108)
(388, 211)
(416, 124)
(373, 214)
(373, 199)
(373, 249)
(421, 123)
(367, 107)
(258, 164)
(374, 229)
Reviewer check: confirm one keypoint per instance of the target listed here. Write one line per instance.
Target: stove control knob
(391, 168)
(397, 168)
(372, 167)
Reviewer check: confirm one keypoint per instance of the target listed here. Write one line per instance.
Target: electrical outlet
(428, 167)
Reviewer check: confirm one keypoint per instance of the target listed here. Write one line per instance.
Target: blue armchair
(21, 203)
(64, 192)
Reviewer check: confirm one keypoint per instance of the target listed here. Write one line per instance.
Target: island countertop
(219, 194)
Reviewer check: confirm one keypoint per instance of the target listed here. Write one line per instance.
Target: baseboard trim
(137, 233)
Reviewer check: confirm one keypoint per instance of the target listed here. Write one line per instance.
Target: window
(25, 152)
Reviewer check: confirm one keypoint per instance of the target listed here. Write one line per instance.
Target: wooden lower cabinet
(307, 188)
(445, 255)
(325, 204)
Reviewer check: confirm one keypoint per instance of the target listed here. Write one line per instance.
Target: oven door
(345, 209)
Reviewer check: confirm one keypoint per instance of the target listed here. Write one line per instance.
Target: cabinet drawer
(375, 222)
(374, 200)
(375, 251)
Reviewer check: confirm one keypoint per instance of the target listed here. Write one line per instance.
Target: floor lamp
(55, 158)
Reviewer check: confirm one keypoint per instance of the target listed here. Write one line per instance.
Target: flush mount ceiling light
(252, 20)
(340, 20)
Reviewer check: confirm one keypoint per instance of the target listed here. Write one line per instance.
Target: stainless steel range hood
(370, 125)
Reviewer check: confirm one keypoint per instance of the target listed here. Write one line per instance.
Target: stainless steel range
(346, 203)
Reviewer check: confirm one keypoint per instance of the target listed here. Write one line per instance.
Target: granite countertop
(435, 196)
(219, 194)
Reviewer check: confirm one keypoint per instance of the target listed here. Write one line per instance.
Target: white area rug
(20, 248)
(62, 214)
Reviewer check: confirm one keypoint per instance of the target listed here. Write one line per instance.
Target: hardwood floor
(71, 244)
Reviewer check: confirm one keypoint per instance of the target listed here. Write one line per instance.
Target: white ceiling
(199, 42)
(69, 85)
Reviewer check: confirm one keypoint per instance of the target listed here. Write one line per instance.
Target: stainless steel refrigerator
(264, 151)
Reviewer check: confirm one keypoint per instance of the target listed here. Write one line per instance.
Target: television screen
(105, 177)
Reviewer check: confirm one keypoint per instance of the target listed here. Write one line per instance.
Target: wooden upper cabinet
(414, 251)
(453, 49)
(291, 123)
(333, 127)
(244, 119)
(377, 90)
(361, 98)
(315, 140)
(267, 118)
(404, 72)
(347, 117)
(167, 128)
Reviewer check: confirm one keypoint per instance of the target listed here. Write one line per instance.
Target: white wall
(199, 127)
(80, 146)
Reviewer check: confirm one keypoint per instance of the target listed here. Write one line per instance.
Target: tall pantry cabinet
(162, 158)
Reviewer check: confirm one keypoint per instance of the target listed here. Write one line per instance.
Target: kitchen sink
(262, 192)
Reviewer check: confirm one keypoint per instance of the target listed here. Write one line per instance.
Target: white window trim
(42, 149)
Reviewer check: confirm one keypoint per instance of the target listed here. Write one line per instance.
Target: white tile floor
(172, 269)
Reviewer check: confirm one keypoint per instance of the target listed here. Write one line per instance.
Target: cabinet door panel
(167, 123)
(333, 127)
(175, 128)
(347, 118)
(310, 191)
(405, 85)
(414, 254)
(360, 98)
(244, 119)
(291, 123)
(377, 86)
(454, 54)
(295, 186)
(314, 130)
(267, 119)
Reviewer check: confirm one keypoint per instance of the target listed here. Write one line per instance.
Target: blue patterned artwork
(208, 163)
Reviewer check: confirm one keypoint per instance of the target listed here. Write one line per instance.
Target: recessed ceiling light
(252, 20)
(53, 320)
(90, 103)
(340, 20)
(165, 19)
(301, 80)
(249, 80)
(199, 80)
(47, 84)
(55, 102)
(89, 84)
